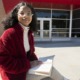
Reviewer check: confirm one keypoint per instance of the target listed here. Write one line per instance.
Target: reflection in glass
(46, 33)
(76, 13)
(76, 28)
(60, 28)
(60, 14)
(38, 25)
(37, 34)
(60, 34)
(60, 23)
(46, 29)
(43, 13)
(46, 25)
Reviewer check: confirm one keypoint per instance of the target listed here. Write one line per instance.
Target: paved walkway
(67, 56)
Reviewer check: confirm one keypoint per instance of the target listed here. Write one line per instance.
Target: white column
(51, 24)
(70, 26)
(41, 26)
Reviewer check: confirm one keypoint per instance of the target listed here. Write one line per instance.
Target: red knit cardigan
(14, 63)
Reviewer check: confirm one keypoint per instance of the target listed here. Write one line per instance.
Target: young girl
(17, 43)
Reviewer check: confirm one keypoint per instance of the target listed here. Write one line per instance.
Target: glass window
(60, 23)
(46, 25)
(61, 35)
(38, 25)
(46, 33)
(60, 28)
(76, 28)
(43, 13)
(76, 13)
(60, 14)
(37, 34)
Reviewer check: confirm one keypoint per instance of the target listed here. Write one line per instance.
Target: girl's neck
(23, 26)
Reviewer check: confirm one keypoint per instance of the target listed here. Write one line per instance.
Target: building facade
(55, 21)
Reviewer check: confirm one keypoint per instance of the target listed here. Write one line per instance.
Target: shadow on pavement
(47, 44)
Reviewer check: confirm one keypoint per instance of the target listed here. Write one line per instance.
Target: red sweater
(14, 62)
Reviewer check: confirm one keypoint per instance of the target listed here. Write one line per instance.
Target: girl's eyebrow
(28, 11)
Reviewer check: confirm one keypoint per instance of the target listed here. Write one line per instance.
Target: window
(60, 14)
(43, 13)
(76, 13)
(60, 28)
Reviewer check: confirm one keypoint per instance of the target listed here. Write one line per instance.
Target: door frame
(41, 29)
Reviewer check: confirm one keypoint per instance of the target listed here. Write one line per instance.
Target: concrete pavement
(67, 56)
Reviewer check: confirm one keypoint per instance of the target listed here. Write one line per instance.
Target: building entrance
(44, 29)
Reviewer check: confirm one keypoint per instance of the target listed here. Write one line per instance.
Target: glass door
(44, 29)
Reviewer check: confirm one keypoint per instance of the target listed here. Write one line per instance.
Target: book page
(42, 69)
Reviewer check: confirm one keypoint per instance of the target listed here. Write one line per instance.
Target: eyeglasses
(28, 14)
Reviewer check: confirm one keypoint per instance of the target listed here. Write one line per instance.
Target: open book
(42, 69)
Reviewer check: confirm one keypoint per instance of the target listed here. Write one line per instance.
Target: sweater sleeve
(8, 61)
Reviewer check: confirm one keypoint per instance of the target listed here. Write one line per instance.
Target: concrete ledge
(68, 65)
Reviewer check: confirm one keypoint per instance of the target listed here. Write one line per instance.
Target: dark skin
(35, 63)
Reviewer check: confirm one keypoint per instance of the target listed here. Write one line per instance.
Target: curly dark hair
(12, 19)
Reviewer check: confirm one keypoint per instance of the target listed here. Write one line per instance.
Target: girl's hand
(35, 63)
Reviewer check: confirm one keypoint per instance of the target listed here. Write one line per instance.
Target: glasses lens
(29, 14)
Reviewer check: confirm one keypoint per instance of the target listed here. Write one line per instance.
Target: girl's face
(25, 15)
